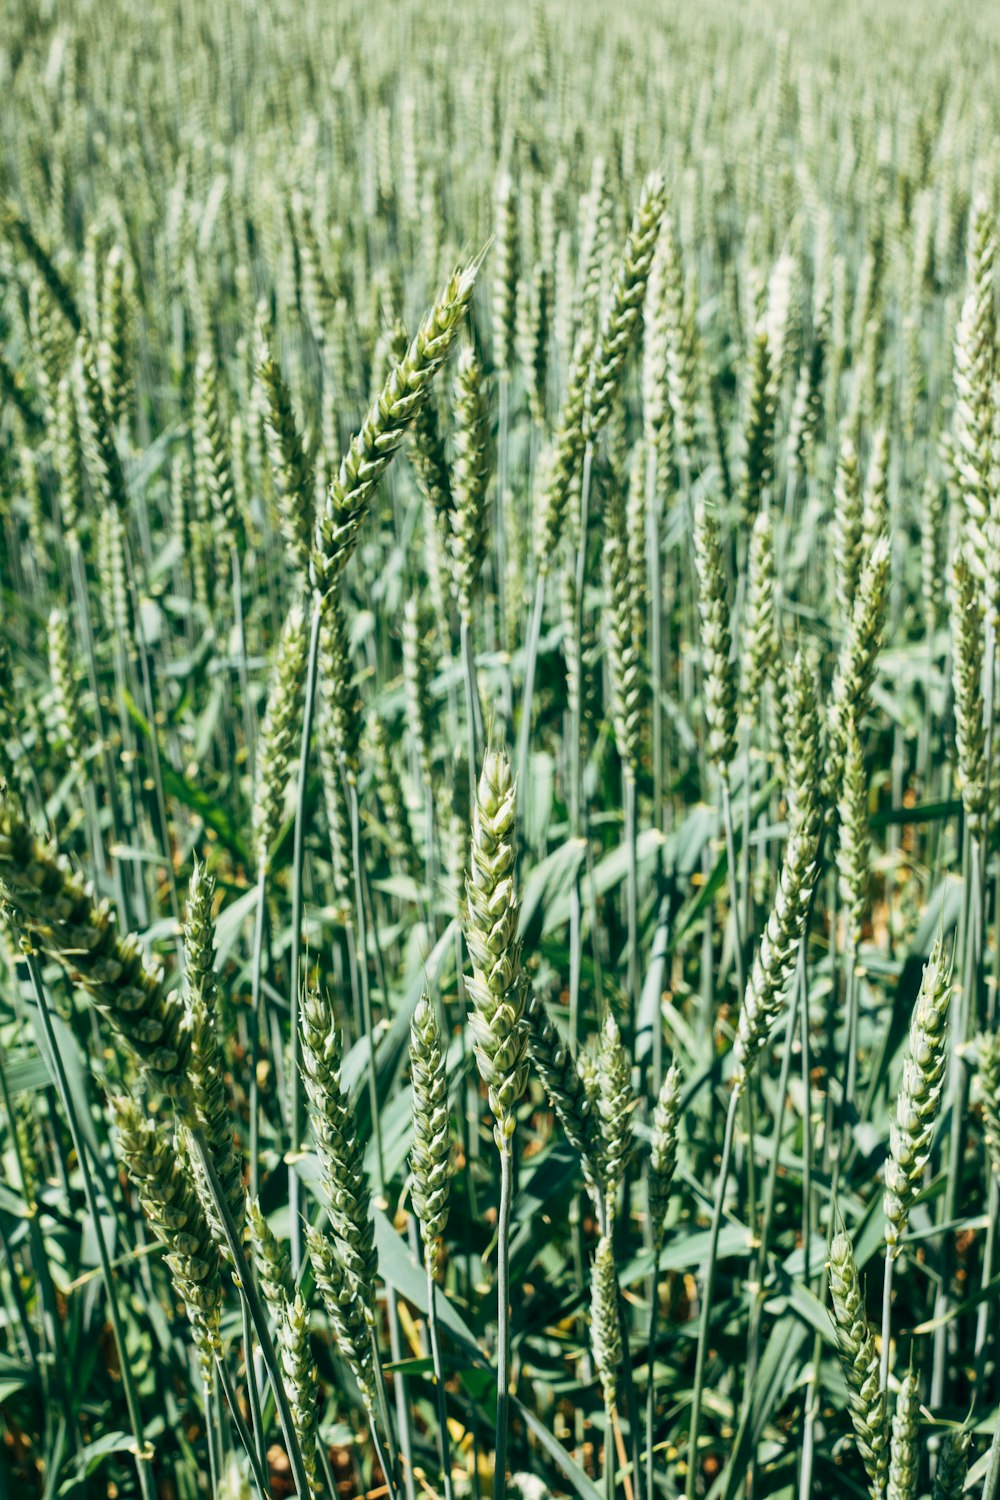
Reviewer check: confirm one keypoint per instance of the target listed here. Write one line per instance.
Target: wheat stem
(298, 861)
(708, 1287)
(258, 1317)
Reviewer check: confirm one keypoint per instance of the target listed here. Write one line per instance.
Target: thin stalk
(253, 1386)
(986, 1276)
(391, 1469)
(991, 1488)
(210, 1430)
(143, 1454)
(249, 715)
(530, 663)
(807, 1121)
(475, 733)
(503, 1322)
(628, 1384)
(734, 886)
(576, 733)
(381, 1455)
(153, 740)
(402, 1401)
(706, 1301)
(78, 570)
(770, 1188)
(654, 575)
(851, 1045)
(632, 893)
(965, 1003)
(442, 1400)
(890, 1261)
(654, 1301)
(248, 1290)
(256, 971)
(499, 509)
(232, 1401)
(298, 858)
(361, 923)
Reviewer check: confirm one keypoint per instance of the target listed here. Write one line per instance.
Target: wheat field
(499, 867)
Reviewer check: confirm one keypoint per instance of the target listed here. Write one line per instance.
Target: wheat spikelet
(974, 373)
(470, 477)
(615, 1104)
(430, 1156)
(564, 1089)
(103, 464)
(340, 1151)
(848, 522)
(623, 644)
(967, 675)
(855, 670)
(663, 1151)
(856, 1342)
(347, 1314)
(504, 284)
(114, 346)
(560, 467)
(67, 451)
(373, 446)
(279, 732)
(853, 838)
(417, 667)
(171, 1206)
(291, 1320)
(952, 1466)
(496, 986)
(68, 725)
(291, 470)
(716, 641)
(390, 795)
(215, 491)
(904, 1454)
(207, 1106)
(605, 1331)
(762, 643)
(625, 309)
(919, 1097)
(758, 438)
(988, 1054)
(776, 955)
(341, 720)
(55, 906)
